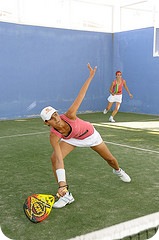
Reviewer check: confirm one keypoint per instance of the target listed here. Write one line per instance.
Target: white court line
(141, 149)
(117, 144)
(150, 126)
(122, 145)
(21, 135)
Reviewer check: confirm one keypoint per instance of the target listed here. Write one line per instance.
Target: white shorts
(115, 98)
(91, 141)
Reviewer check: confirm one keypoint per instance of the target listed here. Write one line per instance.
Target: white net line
(124, 229)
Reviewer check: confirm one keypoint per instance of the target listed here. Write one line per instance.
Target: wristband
(61, 177)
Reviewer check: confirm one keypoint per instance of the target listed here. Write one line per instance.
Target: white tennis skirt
(91, 141)
(115, 98)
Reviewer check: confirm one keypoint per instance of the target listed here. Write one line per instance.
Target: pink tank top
(80, 129)
(118, 88)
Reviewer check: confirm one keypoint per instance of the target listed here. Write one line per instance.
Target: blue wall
(133, 54)
(45, 66)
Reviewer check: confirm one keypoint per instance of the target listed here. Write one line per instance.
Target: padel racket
(37, 207)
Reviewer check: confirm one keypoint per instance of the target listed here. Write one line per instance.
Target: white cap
(47, 112)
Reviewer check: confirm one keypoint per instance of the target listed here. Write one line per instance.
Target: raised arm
(71, 113)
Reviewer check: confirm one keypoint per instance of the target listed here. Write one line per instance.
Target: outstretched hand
(92, 71)
(71, 112)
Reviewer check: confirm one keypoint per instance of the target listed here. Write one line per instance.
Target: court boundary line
(117, 144)
(21, 135)
(124, 127)
(127, 146)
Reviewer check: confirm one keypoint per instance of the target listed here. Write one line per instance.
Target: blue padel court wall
(42, 66)
(47, 66)
(133, 54)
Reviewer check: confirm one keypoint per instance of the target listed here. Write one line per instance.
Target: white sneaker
(63, 201)
(111, 119)
(105, 111)
(123, 176)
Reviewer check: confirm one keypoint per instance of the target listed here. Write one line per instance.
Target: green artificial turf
(101, 199)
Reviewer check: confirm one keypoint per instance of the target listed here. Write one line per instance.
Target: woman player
(115, 90)
(67, 131)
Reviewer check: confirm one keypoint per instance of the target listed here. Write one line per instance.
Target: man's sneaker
(123, 176)
(111, 119)
(105, 111)
(63, 201)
